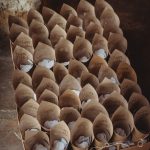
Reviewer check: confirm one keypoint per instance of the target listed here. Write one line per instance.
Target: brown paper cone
(92, 109)
(60, 71)
(34, 14)
(21, 77)
(87, 77)
(48, 84)
(39, 73)
(76, 68)
(116, 58)
(124, 70)
(23, 93)
(137, 101)
(69, 82)
(63, 51)
(128, 87)
(74, 31)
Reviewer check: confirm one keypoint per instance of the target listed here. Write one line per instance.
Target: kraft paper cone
(92, 109)
(83, 127)
(47, 112)
(128, 87)
(122, 119)
(69, 99)
(23, 93)
(15, 30)
(87, 77)
(66, 10)
(142, 124)
(125, 71)
(21, 77)
(137, 101)
(113, 101)
(56, 33)
(82, 49)
(63, 51)
(49, 96)
(36, 139)
(39, 73)
(95, 64)
(102, 125)
(116, 58)
(56, 19)
(69, 82)
(74, 31)
(76, 68)
(24, 41)
(48, 84)
(34, 14)
(60, 71)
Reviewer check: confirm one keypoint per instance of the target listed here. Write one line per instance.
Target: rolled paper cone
(36, 140)
(74, 31)
(137, 101)
(69, 82)
(23, 93)
(64, 51)
(82, 128)
(69, 99)
(56, 19)
(24, 40)
(21, 77)
(87, 77)
(48, 112)
(76, 68)
(95, 64)
(60, 71)
(125, 71)
(34, 14)
(48, 84)
(39, 73)
(92, 109)
(113, 101)
(123, 124)
(66, 10)
(128, 87)
(116, 58)
(49, 96)
(56, 33)
(38, 28)
(82, 49)
(15, 30)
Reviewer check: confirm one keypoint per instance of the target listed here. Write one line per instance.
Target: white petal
(26, 68)
(65, 63)
(60, 144)
(101, 53)
(46, 63)
(71, 125)
(84, 59)
(50, 124)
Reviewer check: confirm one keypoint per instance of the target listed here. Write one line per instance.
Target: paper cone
(63, 51)
(39, 73)
(74, 31)
(60, 71)
(47, 112)
(125, 71)
(92, 109)
(48, 84)
(76, 68)
(69, 82)
(34, 14)
(122, 119)
(56, 19)
(37, 138)
(116, 58)
(95, 64)
(23, 93)
(137, 101)
(87, 77)
(128, 87)
(21, 77)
